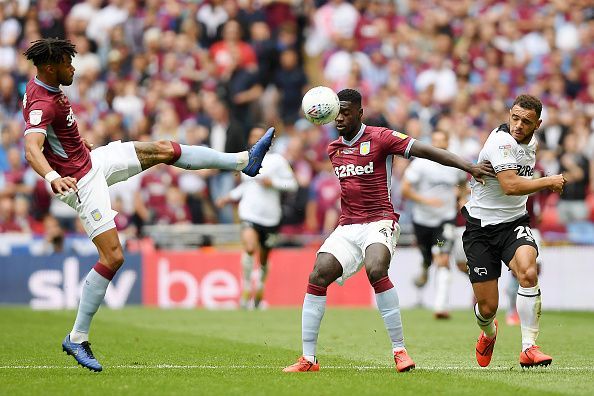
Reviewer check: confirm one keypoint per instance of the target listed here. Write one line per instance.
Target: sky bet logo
(353, 170)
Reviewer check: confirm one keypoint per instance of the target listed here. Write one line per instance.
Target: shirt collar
(357, 136)
(44, 85)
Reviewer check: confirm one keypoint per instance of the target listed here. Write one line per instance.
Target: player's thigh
(423, 236)
(117, 161)
(482, 258)
(523, 265)
(249, 237)
(342, 245)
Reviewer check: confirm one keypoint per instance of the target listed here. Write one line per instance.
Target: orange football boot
(484, 347)
(403, 361)
(302, 365)
(532, 357)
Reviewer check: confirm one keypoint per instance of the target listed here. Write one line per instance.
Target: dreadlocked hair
(49, 50)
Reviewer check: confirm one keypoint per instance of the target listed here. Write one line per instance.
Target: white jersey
(434, 180)
(488, 202)
(260, 204)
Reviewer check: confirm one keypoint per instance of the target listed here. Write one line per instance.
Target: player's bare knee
(114, 259)
(528, 277)
(164, 150)
(376, 273)
(488, 309)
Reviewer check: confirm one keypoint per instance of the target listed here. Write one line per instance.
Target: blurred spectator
(291, 81)
(574, 166)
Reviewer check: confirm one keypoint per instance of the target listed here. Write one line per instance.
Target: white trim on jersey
(357, 136)
(36, 130)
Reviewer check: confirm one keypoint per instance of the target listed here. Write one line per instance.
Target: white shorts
(348, 243)
(113, 163)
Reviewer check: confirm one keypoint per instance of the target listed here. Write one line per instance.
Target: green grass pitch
(150, 351)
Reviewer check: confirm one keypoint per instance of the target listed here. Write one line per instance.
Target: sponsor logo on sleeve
(399, 135)
(365, 148)
(35, 117)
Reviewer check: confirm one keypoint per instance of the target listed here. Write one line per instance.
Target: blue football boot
(82, 353)
(257, 153)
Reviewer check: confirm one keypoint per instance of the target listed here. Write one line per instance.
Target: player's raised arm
(513, 184)
(444, 157)
(35, 158)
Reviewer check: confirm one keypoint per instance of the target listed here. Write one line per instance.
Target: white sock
(311, 318)
(200, 157)
(389, 307)
(529, 308)
(92, 295)
(247, 264)
(443, 289)
(486, 324)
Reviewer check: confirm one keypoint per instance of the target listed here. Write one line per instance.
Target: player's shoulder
(501, 136)
(335, 145)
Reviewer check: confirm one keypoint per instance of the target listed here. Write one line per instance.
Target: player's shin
(528, 304)
(93, 292)
(388, 304)
(200, 157)
(247, 263)
(314, 306)
(486, 324)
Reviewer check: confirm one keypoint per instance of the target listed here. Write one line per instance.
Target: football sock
(93, 292)
(200, 157)
(314, 306)
(443, 287)
(247, 263)
(512, 291)
(486, 324)
(529, 305)
(388, 304)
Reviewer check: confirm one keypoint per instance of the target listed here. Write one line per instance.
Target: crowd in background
(205, 72)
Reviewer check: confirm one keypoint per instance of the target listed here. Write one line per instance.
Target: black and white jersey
(488, 202)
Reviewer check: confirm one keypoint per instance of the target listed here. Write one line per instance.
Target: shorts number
(523, 231)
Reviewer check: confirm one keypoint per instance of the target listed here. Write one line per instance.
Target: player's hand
(557, 183)
(64, 185)
(482, 169)
(88, 144)
(265, 181)
(221, 202)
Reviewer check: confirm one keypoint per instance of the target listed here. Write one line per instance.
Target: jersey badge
(365, 148)
(505, 150)
(35, 117)
(399, 135)
(96, 215)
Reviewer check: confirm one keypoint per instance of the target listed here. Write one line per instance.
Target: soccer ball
(320, 105)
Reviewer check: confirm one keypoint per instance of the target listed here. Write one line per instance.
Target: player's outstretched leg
(314, 306)
(529, 309)
(76, 343)
(388, 304)
(487, 338)
(257, 152)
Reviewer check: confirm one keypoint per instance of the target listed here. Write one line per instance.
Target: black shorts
(434, 240)
(486, 247)
(267, 236)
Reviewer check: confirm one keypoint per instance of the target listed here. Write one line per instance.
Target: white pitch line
(241, 367)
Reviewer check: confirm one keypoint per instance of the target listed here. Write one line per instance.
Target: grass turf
(150, 351)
